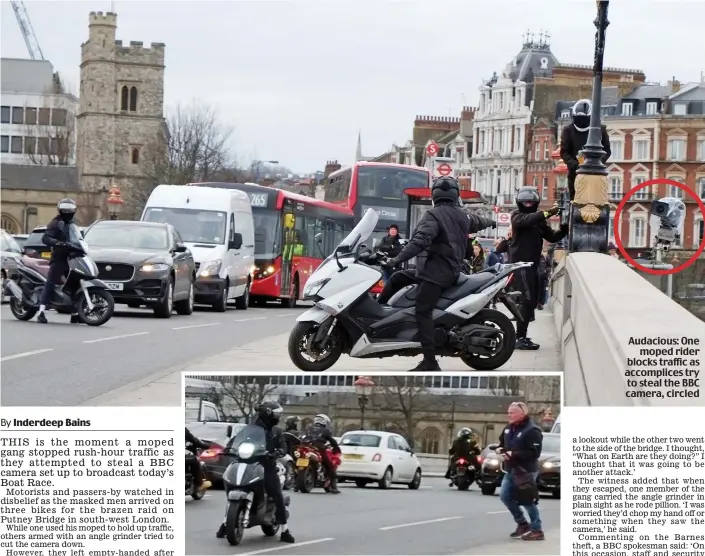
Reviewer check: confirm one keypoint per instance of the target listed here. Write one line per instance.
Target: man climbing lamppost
(590, 209)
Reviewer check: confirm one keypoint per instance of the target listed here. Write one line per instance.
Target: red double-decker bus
(293, 234)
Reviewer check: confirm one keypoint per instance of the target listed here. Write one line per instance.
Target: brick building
(121, 131)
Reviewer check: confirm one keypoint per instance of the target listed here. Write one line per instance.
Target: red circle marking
(618, 214)
(432, 149)
(444, 169)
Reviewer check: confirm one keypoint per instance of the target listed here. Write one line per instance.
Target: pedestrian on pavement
(391, 247)
(613, 251)
(57, 236)
(320, 434)
(520, 446)
(530, 228)
(477, 263)
(268, 416)
(442, 235)
(494, 257)
(574, 137)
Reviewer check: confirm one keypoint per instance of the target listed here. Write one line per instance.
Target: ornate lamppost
(363, 389)
(560, 169)
(590, 210)
(115, 202)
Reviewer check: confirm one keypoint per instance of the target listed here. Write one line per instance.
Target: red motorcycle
(310, 472)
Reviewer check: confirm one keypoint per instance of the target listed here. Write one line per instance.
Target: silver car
(10, 252)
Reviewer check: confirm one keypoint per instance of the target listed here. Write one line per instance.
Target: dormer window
(651, 108)
(565, 114)
(680, 109)
(627, 108)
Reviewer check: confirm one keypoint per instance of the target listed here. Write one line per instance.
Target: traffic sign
(444, 169)
(495, 209)
(432, 149)
(503, 218)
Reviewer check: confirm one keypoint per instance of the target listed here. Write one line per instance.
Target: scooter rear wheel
(19, 311)
(299, 340)
(506, 350)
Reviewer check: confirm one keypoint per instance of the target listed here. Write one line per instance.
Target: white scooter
(346, 318)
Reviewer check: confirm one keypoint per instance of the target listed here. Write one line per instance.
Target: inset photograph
(383, 464)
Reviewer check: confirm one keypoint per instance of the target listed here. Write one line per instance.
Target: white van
(216, 225)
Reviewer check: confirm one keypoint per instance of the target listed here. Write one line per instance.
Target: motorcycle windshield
(76, 237)
(361, 233)
(249, 443)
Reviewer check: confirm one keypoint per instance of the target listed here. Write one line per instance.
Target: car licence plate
(116, 286)
(302, 462)
(352, 456)
(46, 255)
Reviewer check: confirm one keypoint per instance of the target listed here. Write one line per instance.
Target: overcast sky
(298, 79)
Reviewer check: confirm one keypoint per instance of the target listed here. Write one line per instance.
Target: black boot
(526, 344)
(286, 536)
(75, 319)
(426, 365)
(221, 531)
(42, 318)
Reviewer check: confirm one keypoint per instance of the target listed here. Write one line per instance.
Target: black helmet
(528, 199)
(445, 190)
(66, 208)
(292, 423)
(465, 432)
(270, 413)
(581, 114)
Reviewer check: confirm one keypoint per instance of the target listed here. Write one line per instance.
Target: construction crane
(30, 39)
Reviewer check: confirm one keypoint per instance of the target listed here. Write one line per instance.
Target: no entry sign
(432, 149)
(444, 169)
(503, 218)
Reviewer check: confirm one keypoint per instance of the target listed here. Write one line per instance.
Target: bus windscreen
(267, 233)
(388, 182)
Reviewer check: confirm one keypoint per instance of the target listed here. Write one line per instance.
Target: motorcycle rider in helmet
(291, 424)
(268, 416)
(320, 434)
(574, 137)
(192, 463)
(529, 230)
(57, 237)
(438, 243)
(464, 446)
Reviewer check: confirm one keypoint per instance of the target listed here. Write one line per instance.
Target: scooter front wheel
(103, 307)
(308, 358)
(235, 523)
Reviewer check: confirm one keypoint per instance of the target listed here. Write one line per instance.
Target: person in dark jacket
(494, 257)
(464, 446)
(391, 247)
(477, 263)
(320, 434)
(441, 234)
(544, 275)
(57, 237)
(530, 229)
(268, 416)
(520, 446)
(192, 463)
(574, 137)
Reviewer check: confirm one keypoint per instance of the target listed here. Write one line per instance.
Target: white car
(381, 457)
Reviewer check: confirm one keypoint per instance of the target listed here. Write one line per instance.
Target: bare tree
(50, 130)
(196, 147)
(244, 393)
(407, 402)
(506, 385)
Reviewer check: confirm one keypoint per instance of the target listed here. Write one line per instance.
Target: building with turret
(121, 129)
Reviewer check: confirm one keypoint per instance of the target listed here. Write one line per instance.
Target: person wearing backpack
(520, 446)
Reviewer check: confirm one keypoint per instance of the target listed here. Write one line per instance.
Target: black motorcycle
(81, 292)
(192, 489)
(247, 503)
(463, 473)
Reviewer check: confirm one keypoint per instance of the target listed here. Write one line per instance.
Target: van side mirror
(180, 248)
(236, 242)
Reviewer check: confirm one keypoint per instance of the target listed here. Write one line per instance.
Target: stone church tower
(120, 123)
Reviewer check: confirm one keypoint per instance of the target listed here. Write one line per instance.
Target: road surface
(68, 364)
(432, 520)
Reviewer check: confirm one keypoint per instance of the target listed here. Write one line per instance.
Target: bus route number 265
(258, 199)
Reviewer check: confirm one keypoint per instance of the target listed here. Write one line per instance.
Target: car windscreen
(9, 244)
(127, 236)
(364, 440)
(551, 444)
(194, 225)
(213, 432)
(34, 241)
